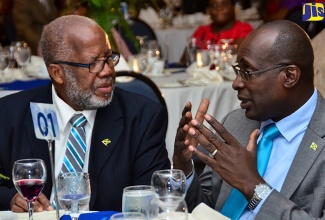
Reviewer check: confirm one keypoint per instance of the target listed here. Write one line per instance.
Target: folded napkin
(37, 68)
(204, 212)
(202, 76)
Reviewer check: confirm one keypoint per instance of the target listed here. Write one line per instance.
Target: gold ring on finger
(215, 152)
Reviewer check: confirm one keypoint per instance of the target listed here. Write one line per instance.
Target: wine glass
(22, 55)
(4, 64)
(167, 207)
(29, 176)
(74, 192)
(137, 198)
(170, 182)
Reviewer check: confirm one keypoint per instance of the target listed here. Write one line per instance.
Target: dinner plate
(159, 74)
(173, 85)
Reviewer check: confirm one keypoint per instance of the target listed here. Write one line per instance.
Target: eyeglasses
(96, 66)
(245, 74)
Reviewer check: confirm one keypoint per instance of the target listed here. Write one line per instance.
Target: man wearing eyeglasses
(266, 159)
(124, 132)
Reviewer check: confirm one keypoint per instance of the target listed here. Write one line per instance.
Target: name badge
(45, 121)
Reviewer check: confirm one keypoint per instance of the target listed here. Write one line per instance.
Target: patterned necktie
(76, 146)
(236, 202)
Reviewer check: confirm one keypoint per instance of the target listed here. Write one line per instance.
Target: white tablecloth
(223, 99)
(173, 41)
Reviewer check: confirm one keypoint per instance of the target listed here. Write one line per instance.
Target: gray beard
(85, 100)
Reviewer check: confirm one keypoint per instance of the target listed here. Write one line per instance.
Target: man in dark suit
(275, 85)
(132, 125)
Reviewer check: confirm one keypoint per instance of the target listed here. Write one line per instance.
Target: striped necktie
(236, 202)
(76, 146)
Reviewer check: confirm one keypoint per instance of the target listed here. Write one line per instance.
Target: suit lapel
(306, 155)
(108, 125)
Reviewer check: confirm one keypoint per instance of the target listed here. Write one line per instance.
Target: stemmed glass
(150, 48)
(170, 182)
(4, 64)
(29, 176)
(22, 55)
(74, 192)
(167, 207)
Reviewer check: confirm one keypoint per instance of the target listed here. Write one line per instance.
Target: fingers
(43, 203)
(202, 110)
(18, 204)
(205, 137)
(226, 136)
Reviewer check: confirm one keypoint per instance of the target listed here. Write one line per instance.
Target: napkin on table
(202, 76)
(204, 212)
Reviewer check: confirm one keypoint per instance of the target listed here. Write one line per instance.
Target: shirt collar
(298, 121)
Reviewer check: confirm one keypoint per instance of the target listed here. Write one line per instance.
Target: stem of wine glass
(30, 210)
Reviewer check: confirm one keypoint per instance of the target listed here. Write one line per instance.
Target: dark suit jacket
(303, 192)
(135, 125)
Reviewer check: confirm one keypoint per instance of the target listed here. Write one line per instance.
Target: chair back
(139, 28)
(142, 85)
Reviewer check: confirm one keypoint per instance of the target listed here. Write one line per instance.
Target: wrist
(261, 191)
(187, 167)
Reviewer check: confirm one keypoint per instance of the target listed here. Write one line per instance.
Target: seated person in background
(132, 125)
(224, 25)
(275, 85)
(29, 18)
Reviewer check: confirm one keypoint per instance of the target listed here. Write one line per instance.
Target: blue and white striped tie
(76, 147)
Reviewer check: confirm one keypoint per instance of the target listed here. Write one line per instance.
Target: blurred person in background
(30, 17)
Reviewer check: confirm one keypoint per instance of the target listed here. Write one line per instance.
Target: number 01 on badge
(45, 121)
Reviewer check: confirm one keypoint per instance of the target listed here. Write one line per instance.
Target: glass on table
(74, 192)
(137, 198)
(170, 182)
(167, 207)
(29, 176)
(4, 64)
(22, 55)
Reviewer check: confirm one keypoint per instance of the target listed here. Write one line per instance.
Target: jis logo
(313, 12)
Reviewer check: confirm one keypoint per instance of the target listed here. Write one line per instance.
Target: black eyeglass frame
(247, 74)
(115, 57)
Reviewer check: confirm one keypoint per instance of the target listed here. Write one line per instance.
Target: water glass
(128, 216)
(167, 207)
(137, 198)
(74, 192)
(170, 182)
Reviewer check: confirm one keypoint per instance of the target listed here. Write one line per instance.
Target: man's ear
(292, 75)
(56, 73)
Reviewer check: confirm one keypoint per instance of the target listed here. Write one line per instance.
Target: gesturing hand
(182, 156)
(233, 162)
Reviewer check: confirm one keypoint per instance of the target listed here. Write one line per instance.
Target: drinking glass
(22, 55)
(4, 64)
(151, 49)
(74, 192)
(170, 182)
(137, 198)
(168, 207)
(29, 176)
(128, 216)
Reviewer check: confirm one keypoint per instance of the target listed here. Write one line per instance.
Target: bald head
(57, 37)
(286, 43)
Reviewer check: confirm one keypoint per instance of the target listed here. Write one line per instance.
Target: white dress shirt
(64, 113)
